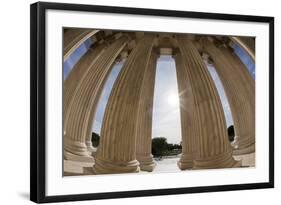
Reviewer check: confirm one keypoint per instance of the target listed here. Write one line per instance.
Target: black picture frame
(38, 103)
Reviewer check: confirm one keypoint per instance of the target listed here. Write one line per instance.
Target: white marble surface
(164, 165)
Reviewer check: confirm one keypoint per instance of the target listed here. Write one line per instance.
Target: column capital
(207, 58)
(176, 51)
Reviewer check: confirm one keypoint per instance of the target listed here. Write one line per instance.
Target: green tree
(159, 146)
(177, 146)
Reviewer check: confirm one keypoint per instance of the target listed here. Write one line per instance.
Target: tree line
(160, 147)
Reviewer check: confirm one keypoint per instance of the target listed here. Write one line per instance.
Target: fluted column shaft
(77, 74)
(88, 133)
(246, 90)
(240, 92)
(117, 149)
(229, 80)
(92, 111)
(144, 120)
(212, 146)
(85, 97)
(73, 38)
(187, 114)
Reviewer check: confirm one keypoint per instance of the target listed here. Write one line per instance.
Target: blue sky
(105, 95)
(75, 56)
(245, 58)
(166, 114)
(222, 95)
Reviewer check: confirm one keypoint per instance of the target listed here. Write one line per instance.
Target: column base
(224, 160)
(234, 143)
(244, 150)
(185, 162)
(245, 145)
(90, 147)
(146, 163)
(74, 157)
(113, 167)
(76, 151)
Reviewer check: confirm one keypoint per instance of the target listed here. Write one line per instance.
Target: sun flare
(173, 99)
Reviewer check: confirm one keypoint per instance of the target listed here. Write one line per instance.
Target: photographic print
(131, 102)
(137, 102)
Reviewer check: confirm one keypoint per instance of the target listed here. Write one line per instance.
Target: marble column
(240, 90)
(239, 93)
(117, 149)
(85, 97)
(92, 111)
(187, 114)
(122, 56)
(144, 120)
(77, 74)
(246, 138)
(73, 38)
(212, 149)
